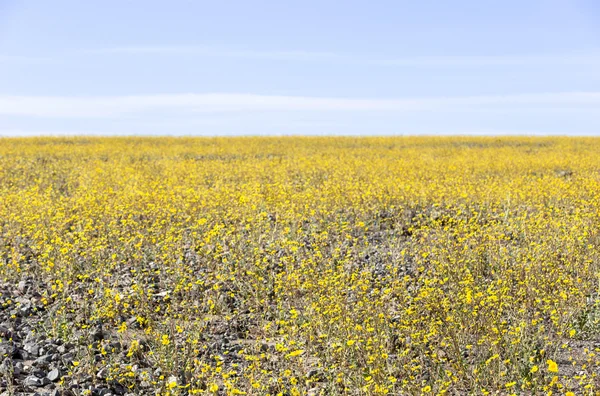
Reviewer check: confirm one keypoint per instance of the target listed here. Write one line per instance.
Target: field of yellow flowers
(300, 266)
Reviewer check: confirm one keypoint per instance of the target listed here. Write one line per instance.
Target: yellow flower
(295, 353)
(294, 241)
(172, 384)
(572, 333)
(122, 328)
(552, 366)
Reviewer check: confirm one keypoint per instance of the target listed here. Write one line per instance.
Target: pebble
(33, 381)
(53, 375)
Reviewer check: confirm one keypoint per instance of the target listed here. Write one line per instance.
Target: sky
(311, 67)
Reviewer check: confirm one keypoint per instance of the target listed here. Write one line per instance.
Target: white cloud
(494, 60)
(568, 58)
(580, 58)
(217, 52)
(119, 106)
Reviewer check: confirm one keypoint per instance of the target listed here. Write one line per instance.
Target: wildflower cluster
(321, 266)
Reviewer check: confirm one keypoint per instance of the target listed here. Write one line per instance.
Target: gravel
(32, 364)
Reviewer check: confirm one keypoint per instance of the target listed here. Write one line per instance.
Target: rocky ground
(33, 364)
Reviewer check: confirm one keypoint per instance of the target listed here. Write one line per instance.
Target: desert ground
(299, 266)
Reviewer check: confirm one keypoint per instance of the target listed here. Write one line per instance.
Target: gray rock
(48, 349)
(22, 354)
(5, 332)
(86, 379)
(25, 309)
(33, 382)
(39, 373)
(53, 375)
(22, 286)
(67, 357)
(6, 349)
(32, 347)
(43, 361)
(102, 373)
(7, 368)
(162, 294)
(31, 337)
(98, 334)
(64, 348)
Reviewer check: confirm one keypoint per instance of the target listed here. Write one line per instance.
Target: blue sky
(299, 67)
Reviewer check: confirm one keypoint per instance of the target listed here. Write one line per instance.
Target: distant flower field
(300, 266)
